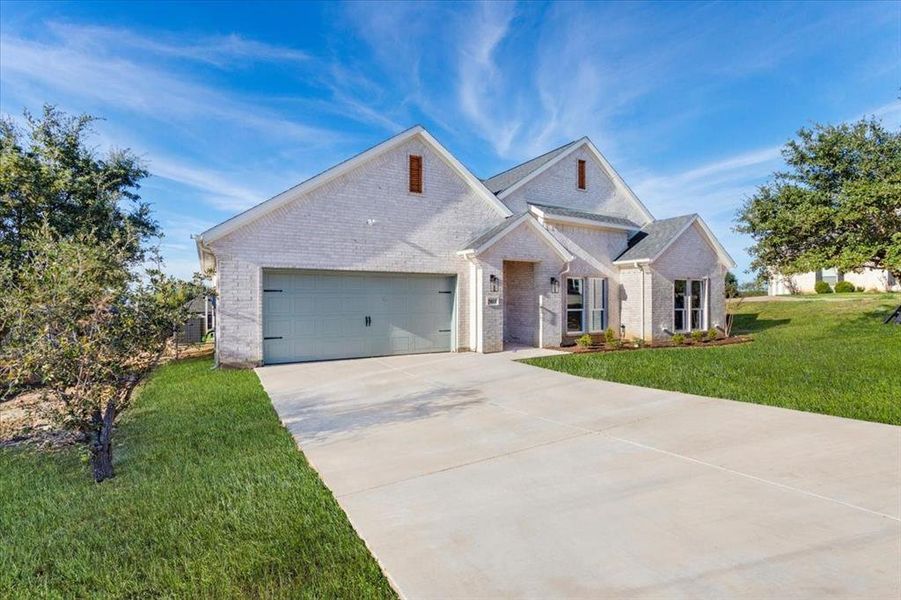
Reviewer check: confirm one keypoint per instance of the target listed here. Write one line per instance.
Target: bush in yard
(83, 322)
(609, 335)
(821, 287)
(859, 288)
(638, 342)
(678, 339)
(712, 334)
(844, 287)
(697, 336)
(584, 341)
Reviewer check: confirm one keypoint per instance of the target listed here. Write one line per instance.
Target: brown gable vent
(415, 174)
(582, 184)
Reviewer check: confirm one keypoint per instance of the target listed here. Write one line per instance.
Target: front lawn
(828, 355)
(211, 499)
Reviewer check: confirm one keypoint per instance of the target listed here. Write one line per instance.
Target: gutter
(640, 267)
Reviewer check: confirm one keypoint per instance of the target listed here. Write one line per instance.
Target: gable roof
(346, 166)
(564, 214)
(515, 178)
(649, 243)
(501, 181)
(491, 236)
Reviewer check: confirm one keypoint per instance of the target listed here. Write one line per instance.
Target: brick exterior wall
(523, 244)
(520, 303)
(594, 250)
(690, 257)
(328, 229)
(558, 186)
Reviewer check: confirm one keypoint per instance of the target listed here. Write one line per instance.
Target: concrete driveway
(474, 475)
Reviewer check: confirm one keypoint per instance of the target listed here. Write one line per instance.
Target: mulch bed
(735, 339)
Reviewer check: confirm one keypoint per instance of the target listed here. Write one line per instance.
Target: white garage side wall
(558, 186)
(594, 250)
(873, 280)
(328, 229)
(689, 257)
(521, 244)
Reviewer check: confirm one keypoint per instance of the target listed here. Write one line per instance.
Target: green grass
(211, 499)
(829, 355)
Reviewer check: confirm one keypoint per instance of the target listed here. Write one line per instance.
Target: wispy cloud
(98, 72)
(216, 187)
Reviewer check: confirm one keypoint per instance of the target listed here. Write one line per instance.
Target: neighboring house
(401, 249)
(200, 321)
(871, 280)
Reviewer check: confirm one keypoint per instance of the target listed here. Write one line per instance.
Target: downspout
(201, 249)
(640, 267)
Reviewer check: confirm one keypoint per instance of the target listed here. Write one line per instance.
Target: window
(415, 174)
(689, 304)
(830, 276)
(597, 301)
(582, 183)
(575, 305)
(679, 305)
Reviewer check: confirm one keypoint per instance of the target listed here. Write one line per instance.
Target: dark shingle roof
(487, 234)
(562, 211)
(654, 237)
(498, 183)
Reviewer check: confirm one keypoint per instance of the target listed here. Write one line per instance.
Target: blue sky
(231, 103)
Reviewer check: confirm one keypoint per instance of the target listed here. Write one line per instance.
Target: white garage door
(320, 315)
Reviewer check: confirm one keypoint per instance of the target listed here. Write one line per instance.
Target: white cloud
(219, 191)
(107, 78)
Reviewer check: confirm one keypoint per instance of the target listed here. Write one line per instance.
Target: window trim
(689, 306)
(579, 310)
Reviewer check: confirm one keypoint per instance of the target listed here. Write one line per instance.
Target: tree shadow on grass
(751, 323)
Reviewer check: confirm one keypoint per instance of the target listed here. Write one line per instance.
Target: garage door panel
(322, 315)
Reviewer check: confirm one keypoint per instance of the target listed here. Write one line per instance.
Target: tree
(85, 324)
(731, 285)
(837, 205)
(48, 174)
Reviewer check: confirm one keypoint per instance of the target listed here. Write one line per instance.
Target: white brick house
(401, 249)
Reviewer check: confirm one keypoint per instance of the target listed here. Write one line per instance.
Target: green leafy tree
(49, 174)
(837, 205)
(731, 285)
(84, 324)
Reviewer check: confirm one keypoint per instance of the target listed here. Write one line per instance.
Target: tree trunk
(101, 447)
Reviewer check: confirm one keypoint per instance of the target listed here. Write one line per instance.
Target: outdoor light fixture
(555, 285)
(622, 331)
(492, 280)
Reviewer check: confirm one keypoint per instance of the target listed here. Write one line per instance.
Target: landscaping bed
(211, 499)
(813, 353)
(626, 346)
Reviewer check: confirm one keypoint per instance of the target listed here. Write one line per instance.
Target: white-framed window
(597, 304)
(689, 304)
(575, 305)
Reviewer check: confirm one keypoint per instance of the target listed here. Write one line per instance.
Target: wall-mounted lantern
(555, 285)
(493, 283)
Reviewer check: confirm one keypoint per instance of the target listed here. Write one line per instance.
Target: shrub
(711, 334)
(615, 344)
(609, 335)
(639, 342)
(859, 289)
(584, 341)
(697, 336)
(678, 339)
(844, 287)
(822, 287)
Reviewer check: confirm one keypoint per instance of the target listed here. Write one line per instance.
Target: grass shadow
(751, 322)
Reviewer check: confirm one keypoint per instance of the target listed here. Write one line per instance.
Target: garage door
(320, 315)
